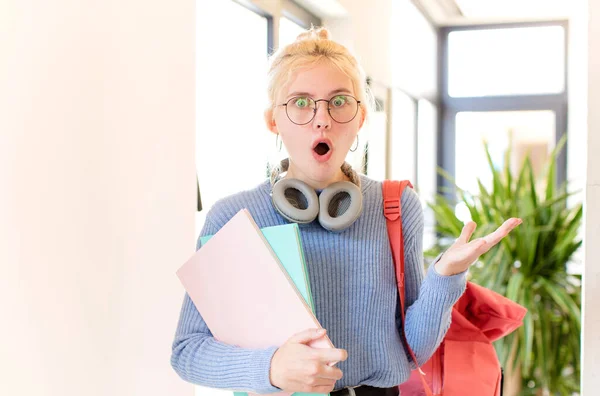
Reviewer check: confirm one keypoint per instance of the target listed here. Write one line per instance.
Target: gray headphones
(318, 207)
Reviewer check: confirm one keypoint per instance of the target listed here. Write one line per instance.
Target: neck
(344, 173)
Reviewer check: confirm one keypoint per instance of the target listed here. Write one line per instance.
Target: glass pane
(426, 165)
(376, 147)
(403, 139)
(230, 101)
(288, 31)
(512, 61)
(532, 132)
(374, 133)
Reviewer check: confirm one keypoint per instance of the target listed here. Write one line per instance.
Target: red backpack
(466, 359)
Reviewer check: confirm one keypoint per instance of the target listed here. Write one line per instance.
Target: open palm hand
(462, 254)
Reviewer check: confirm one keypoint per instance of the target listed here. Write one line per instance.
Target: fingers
(467, 232)
(330, 373)
(306, 336)
(314, 385)
(479, 246)
(476, 245)
(502, 231)
(320, 375)
(461, 255)
(327, 355)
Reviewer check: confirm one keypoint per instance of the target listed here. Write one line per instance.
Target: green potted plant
(530, 267)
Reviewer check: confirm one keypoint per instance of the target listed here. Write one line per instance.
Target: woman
(318, 103)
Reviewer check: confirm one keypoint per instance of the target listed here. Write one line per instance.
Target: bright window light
(232, 140)
(288, 31)
(515, 61)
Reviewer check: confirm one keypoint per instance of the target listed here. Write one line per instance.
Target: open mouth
(322, 148)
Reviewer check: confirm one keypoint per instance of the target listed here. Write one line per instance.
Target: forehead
(319, 80)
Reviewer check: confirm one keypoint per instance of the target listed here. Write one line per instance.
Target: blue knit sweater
(353, 283)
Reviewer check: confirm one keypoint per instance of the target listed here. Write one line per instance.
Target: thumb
(304, 337)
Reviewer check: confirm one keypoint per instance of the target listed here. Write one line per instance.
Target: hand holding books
(297, 367)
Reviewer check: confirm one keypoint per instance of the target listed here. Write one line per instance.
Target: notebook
(287, 246)
(243, 292)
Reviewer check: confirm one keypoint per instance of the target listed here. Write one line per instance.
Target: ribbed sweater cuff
(448, 288)
(261, 368)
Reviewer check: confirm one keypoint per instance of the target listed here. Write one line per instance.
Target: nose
(322, 118)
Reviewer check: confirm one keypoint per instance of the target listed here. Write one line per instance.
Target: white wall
(591, 279)
(414, 48)
(98, 194)
(366, 32)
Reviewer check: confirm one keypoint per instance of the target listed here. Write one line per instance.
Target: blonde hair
(311, 47)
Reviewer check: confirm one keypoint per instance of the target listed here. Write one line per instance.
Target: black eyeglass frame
(315, 109)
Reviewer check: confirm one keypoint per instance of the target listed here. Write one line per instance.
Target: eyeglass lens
(302, 109)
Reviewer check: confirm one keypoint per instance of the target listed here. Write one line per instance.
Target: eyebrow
(335, 91)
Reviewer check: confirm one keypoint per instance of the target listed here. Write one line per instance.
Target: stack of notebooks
(251, 285)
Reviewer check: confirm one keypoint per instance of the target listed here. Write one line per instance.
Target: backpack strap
(392, 210)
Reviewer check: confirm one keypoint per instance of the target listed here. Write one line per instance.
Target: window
(530, 131)
(230, 100)
(288, 31)
(403, 138)
(233, 144)
(514, 61)
(501, 78)
(426, 180)
(501, 81)
(374, 134)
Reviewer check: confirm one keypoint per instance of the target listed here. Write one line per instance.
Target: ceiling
(459, 12)
(515, 9)
(464, 12)
(324, 8)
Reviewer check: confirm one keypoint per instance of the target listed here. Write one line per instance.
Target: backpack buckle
(391, 209)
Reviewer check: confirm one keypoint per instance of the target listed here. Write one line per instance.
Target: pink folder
(243, 292)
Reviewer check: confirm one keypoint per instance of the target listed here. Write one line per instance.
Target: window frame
(250, 5)
(451, 106)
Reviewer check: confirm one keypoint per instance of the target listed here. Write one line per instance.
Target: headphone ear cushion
(289, 211)
(345, 220)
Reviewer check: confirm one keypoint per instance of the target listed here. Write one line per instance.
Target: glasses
(302, 109)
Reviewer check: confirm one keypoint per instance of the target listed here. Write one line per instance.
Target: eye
(339, 101)
(301, 102)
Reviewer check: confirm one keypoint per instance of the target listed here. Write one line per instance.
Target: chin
(320, 172)
(326, 171)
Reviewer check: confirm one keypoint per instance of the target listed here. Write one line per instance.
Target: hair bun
(314, 34)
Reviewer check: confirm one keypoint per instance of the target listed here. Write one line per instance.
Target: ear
(363, 115)
(270, 121)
